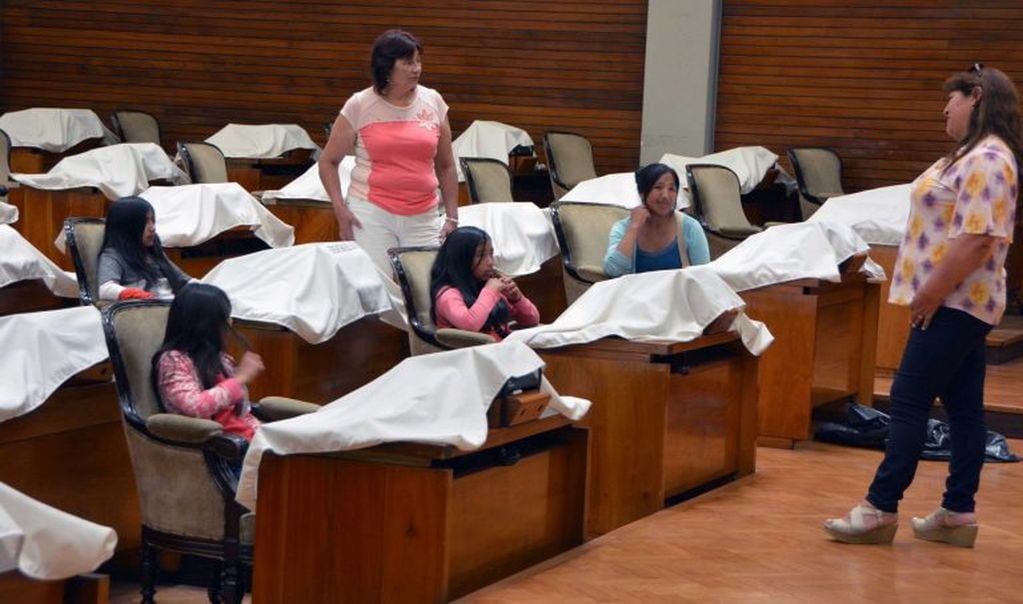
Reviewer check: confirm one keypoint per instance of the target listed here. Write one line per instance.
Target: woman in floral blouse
(950, 272)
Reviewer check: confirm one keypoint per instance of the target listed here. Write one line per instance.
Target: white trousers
(382, 230)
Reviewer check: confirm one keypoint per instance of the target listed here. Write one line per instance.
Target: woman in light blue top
(656, 236)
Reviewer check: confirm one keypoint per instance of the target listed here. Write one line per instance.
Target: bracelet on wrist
(450, 219)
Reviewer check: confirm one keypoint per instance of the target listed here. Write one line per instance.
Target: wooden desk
(32, 160)
(82, 589)
(892, 321)
(313, 220)
(70, 453)
(42, 215)
(823, 351)
(269, 174)
(417, 523)
(666, 418)
(546, 289)
(197, 260)
(320, 373)
(30, 295)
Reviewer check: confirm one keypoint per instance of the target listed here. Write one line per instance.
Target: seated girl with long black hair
(132, 263)
(193, 374)
(469, 294)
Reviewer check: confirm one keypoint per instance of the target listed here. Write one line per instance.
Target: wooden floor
(760, 539)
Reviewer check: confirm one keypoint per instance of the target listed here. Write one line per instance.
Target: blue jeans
(946, 360)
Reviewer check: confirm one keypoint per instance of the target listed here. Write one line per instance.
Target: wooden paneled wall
(571, 65)
(861, 76)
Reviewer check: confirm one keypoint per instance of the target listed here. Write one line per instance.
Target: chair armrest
(774, 223)
(183, 429)
(591, 273)
(461, 338)
(273, 408)
(740, 232)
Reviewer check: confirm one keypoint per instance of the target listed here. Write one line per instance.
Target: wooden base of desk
(70, 453)
(312, 220)
(200, 259)
(823, 350)
(320, 373)
(82, 589)
(666, 418)
(421, 525)
(546, 289)
(30, 296)
(893, 322)
(42, 215)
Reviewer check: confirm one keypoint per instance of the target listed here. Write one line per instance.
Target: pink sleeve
(182, 392)
(451, 309)
(524, 312)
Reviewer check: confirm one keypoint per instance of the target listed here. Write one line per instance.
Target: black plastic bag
(868, 427)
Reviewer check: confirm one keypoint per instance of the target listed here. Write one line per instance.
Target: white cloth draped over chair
(8, 213)
(53, 129)
(309, 185)
(261, 141)
(42, 350)
(439, 399)
(313, 289)
(485, 138)
(117, 170)
(617, 189)
(45, 543)
(750, 165)
(879, 215)
(191, 214)
(656, 306)
(522, 234)
(804, 250)
(21, 261)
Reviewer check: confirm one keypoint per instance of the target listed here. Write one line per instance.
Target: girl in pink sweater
(469, 294)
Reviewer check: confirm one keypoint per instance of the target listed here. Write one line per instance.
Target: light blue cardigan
(617, 263)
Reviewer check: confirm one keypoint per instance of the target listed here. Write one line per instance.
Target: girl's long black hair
(196, 325)
(126, 220)
(453, 268)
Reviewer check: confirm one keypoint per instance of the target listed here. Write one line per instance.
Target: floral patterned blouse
(976, 195)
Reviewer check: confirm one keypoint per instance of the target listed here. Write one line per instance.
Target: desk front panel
(43, 212)
(312, 220)
(892, 321)
(30, 296)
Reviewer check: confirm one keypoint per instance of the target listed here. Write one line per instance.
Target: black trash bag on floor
(868, 427)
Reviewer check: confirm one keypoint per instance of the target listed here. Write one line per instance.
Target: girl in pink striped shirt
(469, 294)
(193, 374)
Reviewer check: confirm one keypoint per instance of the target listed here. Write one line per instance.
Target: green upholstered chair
(818, 176)
(717, 204)
(488, 180)
(84, 239)
(582, 230)
(204, 162)
(136, 126)
(569, 159)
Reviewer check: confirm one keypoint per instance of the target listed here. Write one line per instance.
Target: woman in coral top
(193, 374)
(400, 134)
(469, 294)
(950, 272)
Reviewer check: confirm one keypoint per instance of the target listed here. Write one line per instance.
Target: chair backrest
(412, 266)
(205, 162)
(717, 198)
(569, 159)
(818, 175)
(583, 230)
(5, 159)
(134, 332)
(136, 126)
(488, 180)
(84, 237)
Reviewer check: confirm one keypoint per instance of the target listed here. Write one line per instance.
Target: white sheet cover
(522, 234)
(804, 250)
(663, 305)
(439, 398)
(191, 214)
(313, 289)
(879, 216)
(42, 350)
(8, 213)
(45, 543)
(309, 185)
(261, 141)
(53, 129)
(750, 164)
(618, 189)
(118, 170)
(485, 138)
(21, 261)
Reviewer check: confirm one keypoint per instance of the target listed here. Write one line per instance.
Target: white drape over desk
(21, 261)
(309, 185)
(522, 234)
(261, 141)
(8, 213)
(485, 138)
(42, 350)
(439, 399)
(53, 129)
(191, 214)
(313, 289)
(878, 215)
(47, 544)
(118, 170)
(672, 306)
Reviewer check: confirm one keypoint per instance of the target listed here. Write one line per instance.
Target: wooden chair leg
(150, 570)
(213, 591)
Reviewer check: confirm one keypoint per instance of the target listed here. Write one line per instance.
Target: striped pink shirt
(395, 149)
(182, 392)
